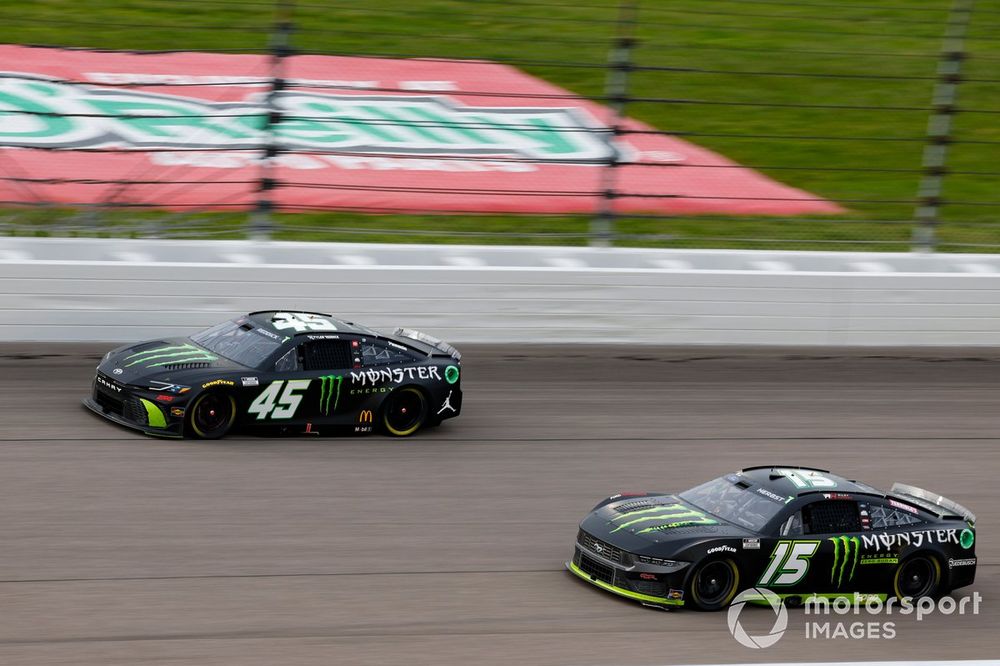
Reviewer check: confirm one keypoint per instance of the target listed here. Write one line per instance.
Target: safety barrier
(119, 290)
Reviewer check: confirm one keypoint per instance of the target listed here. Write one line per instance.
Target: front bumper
(134, 411)
(648, 584)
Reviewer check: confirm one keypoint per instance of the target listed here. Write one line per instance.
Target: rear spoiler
(942, 506)
(429, 340)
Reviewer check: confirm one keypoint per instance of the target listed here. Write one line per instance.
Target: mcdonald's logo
(366, 416)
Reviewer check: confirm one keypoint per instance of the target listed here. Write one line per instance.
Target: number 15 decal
(789, 563)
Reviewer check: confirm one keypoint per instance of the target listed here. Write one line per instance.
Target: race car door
(823, 548)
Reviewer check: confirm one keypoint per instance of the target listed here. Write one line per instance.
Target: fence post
(261, 224)
(939, 127)
(616, 90)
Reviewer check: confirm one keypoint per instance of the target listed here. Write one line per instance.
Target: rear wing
(429, 340)
(942, 506)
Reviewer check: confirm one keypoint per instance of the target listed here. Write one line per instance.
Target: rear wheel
(404, 411)
(211, 415)
(713, 584)
(916, 577)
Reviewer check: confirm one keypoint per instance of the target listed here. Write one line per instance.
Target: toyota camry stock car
(799, 532)
(294, 371)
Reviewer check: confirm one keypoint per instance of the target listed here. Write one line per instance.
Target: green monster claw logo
(329, 388)
(184, 353)
(851, 547)
(451, 374)
(676, 515)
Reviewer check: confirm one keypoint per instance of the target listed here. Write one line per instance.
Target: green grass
(752, 37)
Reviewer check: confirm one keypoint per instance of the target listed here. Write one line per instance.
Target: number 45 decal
(789, 563)
(276, 403)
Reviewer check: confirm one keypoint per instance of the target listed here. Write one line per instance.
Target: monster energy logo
(851, 547)
(675, 515)
(329, 388)
(184, 353)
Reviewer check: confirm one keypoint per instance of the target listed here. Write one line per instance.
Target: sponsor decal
(183, 353)
(967, 562)
(447, 404)
(665, 517)
(905, 507)
(166, 387)
(837, 496)
(177, 411)
(751, 544)
(366, 418)
(329, 388)
(249, 381)
(771, 496)
(677, 595)
(721, 549)
(266, 333)
(845, 553)
(394, 375)
(451, 374)
(165, 398)
(647, 576)
(892, 542)
(109, 384)
(218, 382)
(878, 559)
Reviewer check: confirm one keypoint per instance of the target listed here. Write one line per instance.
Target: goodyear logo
(218, 382)
(845, 551)
(668, 516)
(329, 389)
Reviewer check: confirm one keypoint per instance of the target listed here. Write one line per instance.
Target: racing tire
(713, 584)
(211, 415)
(916, 577)
(404, 411)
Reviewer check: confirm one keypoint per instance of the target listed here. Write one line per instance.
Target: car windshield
(730, 499)
(238, 343)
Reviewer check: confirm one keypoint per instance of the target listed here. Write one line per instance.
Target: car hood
(649, 525)
(168, 360)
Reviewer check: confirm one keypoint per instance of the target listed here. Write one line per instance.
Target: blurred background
(863, 125)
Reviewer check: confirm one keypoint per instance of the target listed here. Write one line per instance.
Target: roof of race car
(793, 481)
(291, 322)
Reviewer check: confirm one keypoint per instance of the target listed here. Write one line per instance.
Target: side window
(381, 353)
(289, 362)
(831, 517)
(882, 516)
(792, 526)
(326, 355)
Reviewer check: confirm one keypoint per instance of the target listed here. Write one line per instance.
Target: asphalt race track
(448, 548)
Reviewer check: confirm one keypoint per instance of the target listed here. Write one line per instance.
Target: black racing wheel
(404, 411)
(212, 414)
(916, 577)
(713, 584)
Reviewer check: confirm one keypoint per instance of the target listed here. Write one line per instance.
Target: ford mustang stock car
(799, 532)
(287, 371)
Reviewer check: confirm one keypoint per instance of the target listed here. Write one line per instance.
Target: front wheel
(211, 415)
(404, 411)
(713, 584)
(916, 577)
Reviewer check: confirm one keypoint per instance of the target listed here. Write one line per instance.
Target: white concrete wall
(115, 290)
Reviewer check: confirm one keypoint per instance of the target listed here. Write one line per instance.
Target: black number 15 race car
(801, 533)
(298, 371)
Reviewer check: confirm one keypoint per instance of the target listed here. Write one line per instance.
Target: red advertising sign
(186, 130)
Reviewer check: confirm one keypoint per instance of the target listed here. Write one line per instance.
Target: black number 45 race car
(299, 371)
(799, 532)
